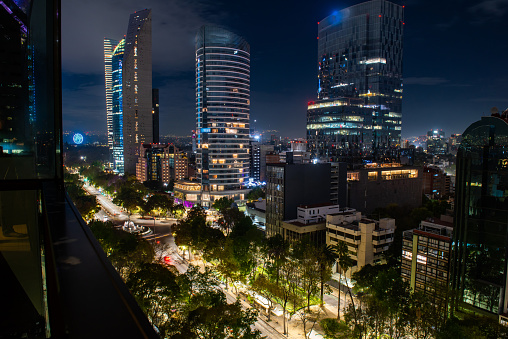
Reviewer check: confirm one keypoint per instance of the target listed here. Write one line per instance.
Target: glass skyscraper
(359, 101)
(128, 75)
(480, 235)
(113, 57)
(222, 112)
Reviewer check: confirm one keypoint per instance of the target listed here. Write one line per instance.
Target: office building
(358, 110)
(480, 235)
(292, 185)
(378, 185)
(437, 144)
(113, 58)
(56, 281)
(426, 253)
(436, 183)
(155, 115)
(222, 113)
(310, 223)
(159, 163)
(258, 154)
(367, 239)
(128, 73)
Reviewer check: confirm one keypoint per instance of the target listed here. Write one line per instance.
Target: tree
(157, 292)
(255, 194)
(222, 204)
(335, 330)
(129, 198)
(267, 289)
(344, 262)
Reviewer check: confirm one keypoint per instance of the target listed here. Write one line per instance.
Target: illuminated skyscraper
(359, 106)
(128, 73)
(222, 112)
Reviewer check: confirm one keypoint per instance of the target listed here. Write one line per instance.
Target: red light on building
(318, 38)
(379, 15)
(167, 259)
(318, 22)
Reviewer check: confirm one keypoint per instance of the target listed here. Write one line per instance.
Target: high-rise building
(425, 265)
(222, 112)
(128, 73)
(359, 108)
(480, 235)
(155, 115)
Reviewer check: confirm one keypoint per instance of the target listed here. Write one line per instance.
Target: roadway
(162, 233)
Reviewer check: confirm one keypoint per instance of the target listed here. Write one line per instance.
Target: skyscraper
(359, 106)
(480, 236)
(128, 73)
(222, 112)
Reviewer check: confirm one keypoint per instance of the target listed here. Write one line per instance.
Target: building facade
(291, 185)
(367, 239)
(426, 253)
(359, 106)
(162, 163)
(436, 183)
(222, 113)
(378, 185)
(479, 266)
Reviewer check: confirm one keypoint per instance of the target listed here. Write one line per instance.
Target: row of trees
(129, 193)
(86, 204)
(291, 275)
(189, 305)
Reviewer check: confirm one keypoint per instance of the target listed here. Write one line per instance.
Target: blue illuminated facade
(113, 54)
(358, 111)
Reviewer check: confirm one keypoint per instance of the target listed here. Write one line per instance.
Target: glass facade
(359, 56)
(113, 58)
(480, 239)
(222, 109)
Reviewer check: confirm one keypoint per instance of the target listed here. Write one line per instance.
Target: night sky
(455, 59)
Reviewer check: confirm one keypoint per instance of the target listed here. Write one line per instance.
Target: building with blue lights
(222, 113)
(128, 75)
(358, 111)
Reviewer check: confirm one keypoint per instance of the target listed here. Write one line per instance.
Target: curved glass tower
(222, 112)
(480, 235)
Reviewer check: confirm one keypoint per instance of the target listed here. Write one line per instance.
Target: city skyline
(457, 45)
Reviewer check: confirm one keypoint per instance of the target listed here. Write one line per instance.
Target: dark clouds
(454, 59)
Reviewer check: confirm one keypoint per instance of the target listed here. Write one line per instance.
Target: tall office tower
(128, 73)
(155, 115)
(137, 87)
(222, 112)
(109, 50)
(480, 236)
(359, 106)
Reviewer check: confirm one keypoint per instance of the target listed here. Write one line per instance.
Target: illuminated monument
(128, 75)
(222, 113)
(358, 109)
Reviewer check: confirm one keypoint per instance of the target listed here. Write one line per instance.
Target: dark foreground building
(290, 186)
(480, 237)
(55, 280)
